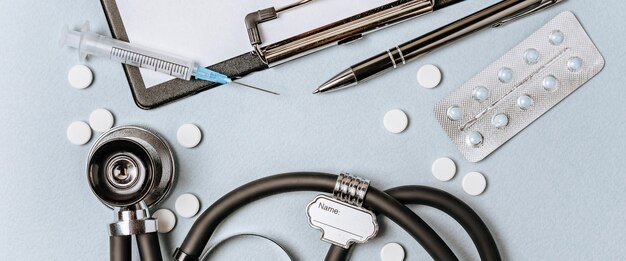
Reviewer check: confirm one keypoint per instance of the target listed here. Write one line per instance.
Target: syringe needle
(256, 88)
(213, 76)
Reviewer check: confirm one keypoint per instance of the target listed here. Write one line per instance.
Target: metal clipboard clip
(261, 16)
(337, 33)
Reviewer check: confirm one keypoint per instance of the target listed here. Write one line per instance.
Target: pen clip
(543, 5)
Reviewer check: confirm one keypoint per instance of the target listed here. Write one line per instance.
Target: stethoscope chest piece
(128, 165)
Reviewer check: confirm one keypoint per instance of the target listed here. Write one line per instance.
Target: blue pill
(532, 56)
(474, 139)
(505, 75)
(557, 37)
(500, 121)
(574, 64)
(480, 93)
(525, 102)
(550, 83)
(455, 113)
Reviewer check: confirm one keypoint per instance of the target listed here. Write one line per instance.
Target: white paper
(210, 31)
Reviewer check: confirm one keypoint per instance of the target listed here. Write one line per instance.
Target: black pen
(494, 15)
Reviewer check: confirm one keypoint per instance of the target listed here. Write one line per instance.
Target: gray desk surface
(556, 191)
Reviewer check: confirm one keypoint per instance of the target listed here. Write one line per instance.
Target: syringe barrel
(135, 55)
(89, 43)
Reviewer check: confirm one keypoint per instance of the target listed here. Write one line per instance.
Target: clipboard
(169, 91)
(148, 22)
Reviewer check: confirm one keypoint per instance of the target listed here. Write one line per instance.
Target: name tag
(341, 224)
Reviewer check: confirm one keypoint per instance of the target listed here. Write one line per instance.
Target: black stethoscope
(131, 169)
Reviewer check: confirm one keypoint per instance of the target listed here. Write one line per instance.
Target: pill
(480, 93)
(474, 138)
(525, 102)
(392, 252)
(532, 56)
(429, 76)
(187, 205)
(550, 83)
(166, 220)
(574, 64)
(395, 121)
(556, 37)
(101, 120)
(443, 169)
(500, 121)
(474, 183)
(78, 133)
(455, 113)
(189, 135)
(505, 75)
(80, 76)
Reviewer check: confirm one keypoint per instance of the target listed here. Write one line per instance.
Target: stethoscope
(131, 169)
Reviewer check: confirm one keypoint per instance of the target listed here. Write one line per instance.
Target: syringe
(89, 43)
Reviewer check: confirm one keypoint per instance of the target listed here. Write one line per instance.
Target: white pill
(574, 64)
(189, 135)
(429, 76)
(474, 138)
(101, 120)
(78, 133)
(505, 75)
(166, 220)
(550, 83)
(444, 169)
(500, 121)
(396, 121)
(392, 252)
(480, 93)
(187, 205)
(556, 37)
(532, 56)
(525, 102)
(474, 183)
(455, 113)
(80, 76)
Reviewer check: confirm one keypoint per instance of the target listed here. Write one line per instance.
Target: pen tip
(316, 91)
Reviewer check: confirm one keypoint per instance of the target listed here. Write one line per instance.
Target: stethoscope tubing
(120, 248)
(390, 203)
(378, 201)
(148, 245)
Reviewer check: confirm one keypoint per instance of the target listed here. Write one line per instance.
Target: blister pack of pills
(518, 88)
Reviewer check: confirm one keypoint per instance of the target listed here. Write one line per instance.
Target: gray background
(556, 191)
